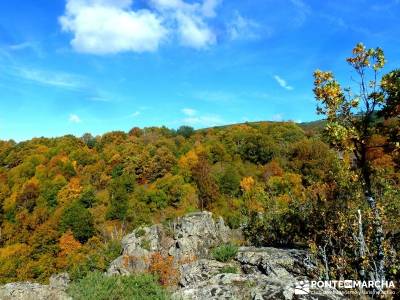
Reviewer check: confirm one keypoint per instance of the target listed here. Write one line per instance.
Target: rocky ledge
(34, 291)
(258, 273)
(187, 243)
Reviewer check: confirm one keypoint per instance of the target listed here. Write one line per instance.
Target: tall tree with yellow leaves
(351, 124)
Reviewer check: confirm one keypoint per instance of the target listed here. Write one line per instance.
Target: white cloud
(106, 26)
(282, 82)
(189, 111)
(136, 114)
(112, 26)
(277, 117)
(74, 119)
(209, 8)
(50, 78)
(194, 32)
(241, 28)
(169, 4)
(303, 11)
(205, 120)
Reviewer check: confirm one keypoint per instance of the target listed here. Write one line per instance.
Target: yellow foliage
(10, 202)
(189, 160)
(13, 250)
(247, 183)
(70, 192)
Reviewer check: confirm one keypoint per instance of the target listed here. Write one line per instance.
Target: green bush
(96, 261)
(97, 286)
(224, 253)
(229, 269)
(79, 219)
(140, 232)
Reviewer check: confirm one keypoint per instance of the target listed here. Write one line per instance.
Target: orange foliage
(272, 169)
(164, 268)
(68, 244)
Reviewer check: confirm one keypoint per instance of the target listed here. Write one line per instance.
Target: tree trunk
(377, 220)
(379, 239)
(362, 246)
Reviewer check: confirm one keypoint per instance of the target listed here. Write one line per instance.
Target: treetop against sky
(76, 66)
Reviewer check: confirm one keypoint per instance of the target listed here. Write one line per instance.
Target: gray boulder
(34, 291)
(251, 287)
(187, 238)
(201, 270)
(283, 263)
(262, 273)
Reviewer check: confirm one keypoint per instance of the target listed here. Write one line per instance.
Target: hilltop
(65, 203)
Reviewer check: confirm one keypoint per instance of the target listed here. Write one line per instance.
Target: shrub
(95, 255)
(140, 232)
(145, 244)
(224, 253)
(97, 286)
(88, 198)
(164, 269)
(229, 269)
(79, 219)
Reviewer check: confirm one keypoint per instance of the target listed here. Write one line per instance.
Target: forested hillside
(65, 202)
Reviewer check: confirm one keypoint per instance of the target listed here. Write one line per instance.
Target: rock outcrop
(187, 238)
(34, 291)
(262, 273)
(254, 273)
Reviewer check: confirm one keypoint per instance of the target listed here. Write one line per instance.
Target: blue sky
(76, 66)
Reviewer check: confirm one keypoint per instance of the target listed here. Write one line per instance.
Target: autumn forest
(66, 202)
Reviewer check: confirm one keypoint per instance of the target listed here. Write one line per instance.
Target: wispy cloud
(49, 78)
(203, 120)
(34, 46)
(303, 11)
(136, 114)
(241, 28)
(73, 118)
(277, 117)
(194, 118)
(189, 112)
(282, 82)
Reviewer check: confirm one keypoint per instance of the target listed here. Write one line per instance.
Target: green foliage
(224, 253)
(279, 227)
(185, 131)
(156, 198)
(112, 250)
(119, 199)
(229, 269)
(50, 190)
(140, 232)
(79, 220)
(88, 198)
(352, 127)
(96, 255)
(97, 286)
(68, 170)
(282, 186)
(257, 148)
(229, 181)
(145, 244)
